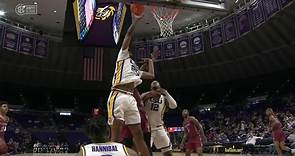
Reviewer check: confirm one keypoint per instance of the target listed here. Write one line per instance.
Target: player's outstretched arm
(129, 34)
(144, 66)
(145, 96)
(150, 74)
(169, 100)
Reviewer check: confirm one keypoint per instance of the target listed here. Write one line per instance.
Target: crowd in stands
(243, 122)
(17, 138)
(32, 131)
(232, 128)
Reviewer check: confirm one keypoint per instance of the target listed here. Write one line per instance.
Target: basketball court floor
(155, 154)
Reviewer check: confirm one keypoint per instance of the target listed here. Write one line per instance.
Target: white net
(165, 18)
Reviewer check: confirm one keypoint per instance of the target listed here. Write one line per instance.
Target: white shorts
(161, 140)
(123, 107)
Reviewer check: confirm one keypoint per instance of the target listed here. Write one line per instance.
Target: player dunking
(193, 134)
(156, 101)
(277, 132)
(122, 106)
(3, 124)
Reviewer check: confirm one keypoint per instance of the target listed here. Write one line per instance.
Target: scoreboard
(100, 23)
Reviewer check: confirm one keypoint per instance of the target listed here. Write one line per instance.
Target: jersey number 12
(155, 107)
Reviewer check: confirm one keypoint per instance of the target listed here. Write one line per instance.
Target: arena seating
(74, 138)
(227, 126)
(68, 122)
(32, 120)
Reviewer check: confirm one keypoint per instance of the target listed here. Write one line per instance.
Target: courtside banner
(41, 47)
(196, 42)
(257, 13)
(183, 47)
(270, 7)
(140, 51)
(27, 44)
(169, 48)
(11, 39)
(243, 20)
(156, 47)
(229, 29)
(216, 37)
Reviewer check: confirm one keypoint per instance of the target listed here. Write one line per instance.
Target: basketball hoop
(165, 18)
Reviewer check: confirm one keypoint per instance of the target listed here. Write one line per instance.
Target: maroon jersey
(277, 126)
(193, 133)
(125, 133)
(137, 97)
(277, 130)
(3, 125)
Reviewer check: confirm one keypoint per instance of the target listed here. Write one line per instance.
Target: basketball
(137, 9)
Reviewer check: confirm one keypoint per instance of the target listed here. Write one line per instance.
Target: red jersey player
(277, 132)
(193, 134)
(126, 135)
(3, 123)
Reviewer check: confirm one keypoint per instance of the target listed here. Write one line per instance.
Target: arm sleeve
(171, 102)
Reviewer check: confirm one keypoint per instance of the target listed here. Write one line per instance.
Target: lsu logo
(105, 12)
(183, 44)
(169, 46)
(197, 40)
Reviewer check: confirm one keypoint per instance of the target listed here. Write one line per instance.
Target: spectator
(242, 125)
(291, 138)
(252, 139)
(66, 147)
(35, 147)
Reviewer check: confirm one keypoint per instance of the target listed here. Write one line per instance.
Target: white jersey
(155, 110)
(126, 70)
(104, 149)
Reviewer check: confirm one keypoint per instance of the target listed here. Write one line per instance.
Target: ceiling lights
(2, 13)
